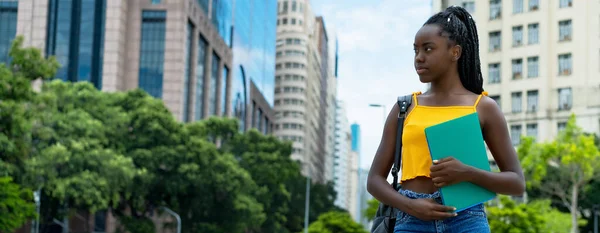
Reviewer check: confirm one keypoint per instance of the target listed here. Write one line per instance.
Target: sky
(375, 58)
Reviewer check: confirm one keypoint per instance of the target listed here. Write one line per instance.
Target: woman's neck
(450, 84)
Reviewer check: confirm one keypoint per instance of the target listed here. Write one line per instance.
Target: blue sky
(376, 58)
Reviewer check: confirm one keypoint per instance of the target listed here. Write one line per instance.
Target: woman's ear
(456, 52)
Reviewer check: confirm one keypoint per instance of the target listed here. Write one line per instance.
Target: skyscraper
(342, 162)
(303, 99)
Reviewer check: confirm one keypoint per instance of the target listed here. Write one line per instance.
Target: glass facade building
(221, 15)
(8, 27)
(254, 37)
(77, 39)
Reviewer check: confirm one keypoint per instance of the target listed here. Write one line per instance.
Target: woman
(447, 57)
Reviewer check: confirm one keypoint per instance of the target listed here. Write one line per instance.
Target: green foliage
(335, 222)
(371, 210)
(562, 169)
(16, 206)
(125, 152)
(536, 216)
(136, 225)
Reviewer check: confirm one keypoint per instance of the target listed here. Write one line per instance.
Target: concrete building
(302, 77)
(178, 51)
(540, 62)
(353, 184)
(342, 159)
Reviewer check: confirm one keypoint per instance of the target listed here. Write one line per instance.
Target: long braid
(458, 25)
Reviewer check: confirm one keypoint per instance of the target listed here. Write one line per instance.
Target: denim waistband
(415, 195)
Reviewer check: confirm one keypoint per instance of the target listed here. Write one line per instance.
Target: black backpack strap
(403, 103)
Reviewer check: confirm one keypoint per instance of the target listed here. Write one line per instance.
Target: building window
(284, 21)
(565, 3)
(515, 134)
(8, 28)
(76, 39)
(532, 130)
(534, 5)
(214, 85)
(517, 101)
(533, 33)
(200, 70)
(494, 73)
(294, 6)
(497, 99)
(517, 69)
(517, 36)
(156, 1)
(532, 100)
(532, 67)
(293, 21)
(188, 72)
(204, 5)
(495, 41)
(222, 19)
(152, 52)
(564, 30)
(285, 7)
(469, 6)
(565, 98)
(495, 9)
(561, 126)
(517, 6)
(224, 91)
(564, 64)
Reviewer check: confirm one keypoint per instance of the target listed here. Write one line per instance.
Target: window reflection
(8, 28)
(152, 52)
(77, 39)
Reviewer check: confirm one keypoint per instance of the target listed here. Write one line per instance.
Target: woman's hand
(428, 209)
(449, 171)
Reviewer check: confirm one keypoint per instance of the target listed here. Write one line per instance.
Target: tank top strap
(484, 93)
(415, 94)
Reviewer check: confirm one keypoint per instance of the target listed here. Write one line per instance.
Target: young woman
(447, 57)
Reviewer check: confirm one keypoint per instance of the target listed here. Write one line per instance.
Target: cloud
(376, 58)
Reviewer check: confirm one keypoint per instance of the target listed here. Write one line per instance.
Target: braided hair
(457, 24)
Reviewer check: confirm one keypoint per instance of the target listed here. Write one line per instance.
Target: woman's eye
(428, 49)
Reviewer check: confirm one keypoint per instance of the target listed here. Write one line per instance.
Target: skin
(436, 62)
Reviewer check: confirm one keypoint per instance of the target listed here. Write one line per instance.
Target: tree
(335, 222)
(16, 206)
(562, 168)
(18, 106)
(536, 216)
(371, 210)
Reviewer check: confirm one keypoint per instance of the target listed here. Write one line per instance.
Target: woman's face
(434, 56)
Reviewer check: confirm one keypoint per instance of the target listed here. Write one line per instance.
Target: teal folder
(462, 139)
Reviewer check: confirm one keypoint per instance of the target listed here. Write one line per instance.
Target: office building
(178, 51)
(342, 158)
(539, 60)
(302, 85)
(254, 36)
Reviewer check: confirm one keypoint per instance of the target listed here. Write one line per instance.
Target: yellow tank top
(416, 160)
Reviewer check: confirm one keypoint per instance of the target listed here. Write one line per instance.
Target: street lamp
(307, 200)
(380, 106)
(176, 217)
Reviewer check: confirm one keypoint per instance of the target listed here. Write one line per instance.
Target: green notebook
(462, 139)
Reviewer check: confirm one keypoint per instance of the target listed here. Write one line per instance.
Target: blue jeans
(471, 220)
